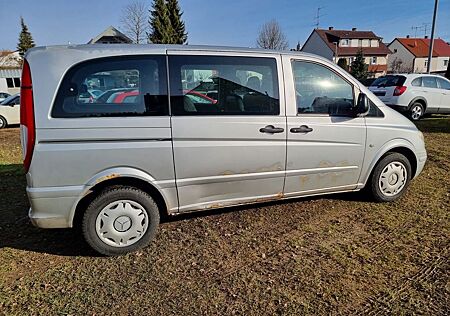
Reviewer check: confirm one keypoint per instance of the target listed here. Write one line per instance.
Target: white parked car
(10, 111)
(3, 96)
(414, 94)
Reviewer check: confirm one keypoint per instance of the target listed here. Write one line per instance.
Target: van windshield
(389, 81)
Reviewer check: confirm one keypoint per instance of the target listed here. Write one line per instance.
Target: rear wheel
(390, 178)
(3, 122)
(120, 220)
(416, 111)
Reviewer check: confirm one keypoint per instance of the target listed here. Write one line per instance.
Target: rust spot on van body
(108, 177)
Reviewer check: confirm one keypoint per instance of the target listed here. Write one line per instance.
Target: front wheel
(390, 178)
(120, 220)
(416, 111)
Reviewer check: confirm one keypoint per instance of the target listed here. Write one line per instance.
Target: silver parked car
(414, 94)
(268, 125)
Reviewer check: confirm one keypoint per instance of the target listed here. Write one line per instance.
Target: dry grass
(328, 255)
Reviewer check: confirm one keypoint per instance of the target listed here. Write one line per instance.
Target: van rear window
(116, 86)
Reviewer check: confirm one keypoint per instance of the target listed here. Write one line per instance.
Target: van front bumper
(421, 160)
(53, 207)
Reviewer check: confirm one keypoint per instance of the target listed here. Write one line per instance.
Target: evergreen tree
(342, 62)
(180, 35)
(25, 39)
(359, 67)
(166, 24)
(161, 28)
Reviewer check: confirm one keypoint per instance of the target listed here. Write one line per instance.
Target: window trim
(335, 72)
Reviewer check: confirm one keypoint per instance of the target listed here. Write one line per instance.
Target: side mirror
(363, 104)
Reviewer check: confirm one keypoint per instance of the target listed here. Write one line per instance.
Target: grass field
(334, 254)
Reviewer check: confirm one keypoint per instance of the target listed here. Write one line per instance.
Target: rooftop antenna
(317, 17)
(415, 28)
(425, 28)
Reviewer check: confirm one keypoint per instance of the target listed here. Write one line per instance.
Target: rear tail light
(28, 132)
(399, 90)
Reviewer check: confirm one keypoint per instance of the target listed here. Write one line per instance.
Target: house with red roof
(411, 55)
(345, 44)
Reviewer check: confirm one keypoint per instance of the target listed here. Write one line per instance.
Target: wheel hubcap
(416, 112)
(393, 178)
(121, 223)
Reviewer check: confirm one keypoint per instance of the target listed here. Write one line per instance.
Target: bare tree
(272, 37)
(134, 21)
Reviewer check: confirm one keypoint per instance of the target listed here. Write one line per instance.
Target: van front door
(228, 129)
(326, 142)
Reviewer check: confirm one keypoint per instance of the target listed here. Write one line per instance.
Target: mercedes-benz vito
(177, 129)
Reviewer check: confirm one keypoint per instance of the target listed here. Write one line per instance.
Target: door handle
(270, 129)
(301, 129)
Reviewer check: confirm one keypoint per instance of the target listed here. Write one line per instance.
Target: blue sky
(229, 22)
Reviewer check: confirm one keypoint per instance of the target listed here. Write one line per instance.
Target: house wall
(437, 64)
(315, 45)
(399, 52)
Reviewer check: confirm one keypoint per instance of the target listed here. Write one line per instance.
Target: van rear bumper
(52, 207)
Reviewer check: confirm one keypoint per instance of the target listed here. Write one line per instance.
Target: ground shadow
(434, 124)
(16, 230)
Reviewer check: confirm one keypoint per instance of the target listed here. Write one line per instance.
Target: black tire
(108, 197)
(3, 122)
(416, 111)
(374, 181)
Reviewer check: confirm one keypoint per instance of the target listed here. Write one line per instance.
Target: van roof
(157, 48)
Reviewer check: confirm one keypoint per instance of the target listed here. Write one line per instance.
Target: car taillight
(399, 90)
(27, 116)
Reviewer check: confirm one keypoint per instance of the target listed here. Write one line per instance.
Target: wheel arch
(421, 100)
(402, 147)
(118, 177)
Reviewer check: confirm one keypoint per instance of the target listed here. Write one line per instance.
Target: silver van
(176, 129)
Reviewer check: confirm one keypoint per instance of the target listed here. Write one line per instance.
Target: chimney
(353, 29)
(330, 28)
(426, 36)
(407, 36)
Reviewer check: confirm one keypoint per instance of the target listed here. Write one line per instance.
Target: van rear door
(228, 128)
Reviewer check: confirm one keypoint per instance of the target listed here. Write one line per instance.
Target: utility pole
(430, 53)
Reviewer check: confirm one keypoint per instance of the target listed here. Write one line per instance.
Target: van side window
(319, 90)
(217, 85)
(115, 86)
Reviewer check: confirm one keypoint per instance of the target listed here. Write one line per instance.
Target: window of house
(446, 63)
(344, 42)
(10, 82)
(320, 90)
(426, 63)
(13, 82)
(373, 60)
(217, 85)
(115, 86)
